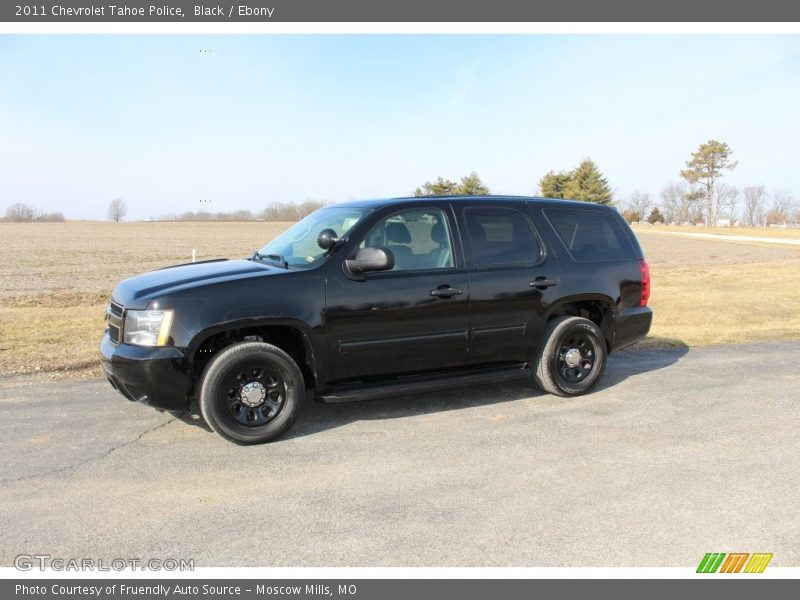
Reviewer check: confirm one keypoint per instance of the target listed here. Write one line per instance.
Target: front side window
(418, 239)
(501, 236)
(297, 247)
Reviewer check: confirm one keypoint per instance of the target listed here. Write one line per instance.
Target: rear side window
(501, 236)
(590, 235)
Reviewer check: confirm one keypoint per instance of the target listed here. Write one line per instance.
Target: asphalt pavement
(681, 452)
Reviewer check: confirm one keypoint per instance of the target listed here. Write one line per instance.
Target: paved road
(681, 453)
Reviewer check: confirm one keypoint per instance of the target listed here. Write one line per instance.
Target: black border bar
(338, 11)
(701, 587)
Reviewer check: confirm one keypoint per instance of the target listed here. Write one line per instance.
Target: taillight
(644, 269)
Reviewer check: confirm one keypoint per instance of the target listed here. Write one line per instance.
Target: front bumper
(159, 377)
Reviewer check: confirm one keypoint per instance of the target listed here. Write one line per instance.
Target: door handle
(446, 292)
(542, 282)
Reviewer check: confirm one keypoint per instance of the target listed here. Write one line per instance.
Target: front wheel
(251, 393)
(572, 357)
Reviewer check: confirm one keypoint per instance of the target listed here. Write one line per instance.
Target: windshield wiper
(277, 257)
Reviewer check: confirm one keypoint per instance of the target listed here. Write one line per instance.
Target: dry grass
(55, 340)
(57, 277)
(720, 305)
(773, 232)
(91, 257)
(715, 292)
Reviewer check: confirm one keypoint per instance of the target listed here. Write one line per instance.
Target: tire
(251, 393)
(556, 369)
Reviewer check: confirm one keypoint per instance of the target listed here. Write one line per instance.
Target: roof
(380, 202)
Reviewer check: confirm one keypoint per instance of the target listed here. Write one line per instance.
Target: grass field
(769, 232)
(57, 279)
(715, 292)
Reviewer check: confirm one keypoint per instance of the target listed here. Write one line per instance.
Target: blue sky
(259, 119)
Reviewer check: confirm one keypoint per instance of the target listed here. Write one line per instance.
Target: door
(410, 319)
(512, 282)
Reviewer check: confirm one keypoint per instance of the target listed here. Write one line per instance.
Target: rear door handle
(542, 282)
(446, 292)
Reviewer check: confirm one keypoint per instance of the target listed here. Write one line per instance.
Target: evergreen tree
(552, 184)
(471, 185)
(440, 187)
(706, 166)
(586, 183)
(655, 216)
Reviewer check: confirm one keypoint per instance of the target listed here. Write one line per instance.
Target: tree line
(118, 210)
(699, 197)
(25, 213)
(678, 204)
(279, 211)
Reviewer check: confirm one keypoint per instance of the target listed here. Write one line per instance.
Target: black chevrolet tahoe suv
(384, 297)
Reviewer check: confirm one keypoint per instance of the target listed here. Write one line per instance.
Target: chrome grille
(115, 316)
(115, 309)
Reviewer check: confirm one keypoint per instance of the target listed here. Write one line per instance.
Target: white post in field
(193, 254)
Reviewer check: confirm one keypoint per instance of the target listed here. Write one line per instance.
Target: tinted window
(418, 239)
(501, 236)
(590, 235)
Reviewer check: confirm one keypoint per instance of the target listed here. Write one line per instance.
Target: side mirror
(370, 259)
(326, 239)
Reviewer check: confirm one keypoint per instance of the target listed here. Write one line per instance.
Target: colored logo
(733, 562)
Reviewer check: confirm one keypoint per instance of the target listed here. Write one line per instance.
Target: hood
(137, 291)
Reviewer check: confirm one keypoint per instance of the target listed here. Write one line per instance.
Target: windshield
(297, 246)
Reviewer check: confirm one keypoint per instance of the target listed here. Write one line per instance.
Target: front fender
(313, 341)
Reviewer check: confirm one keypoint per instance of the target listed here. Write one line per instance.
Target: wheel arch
(291, 336)
(598, 308)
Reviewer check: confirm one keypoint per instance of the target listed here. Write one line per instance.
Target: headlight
(147, 327)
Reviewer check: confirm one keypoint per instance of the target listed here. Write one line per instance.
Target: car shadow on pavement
(316, 417)
(635, 360)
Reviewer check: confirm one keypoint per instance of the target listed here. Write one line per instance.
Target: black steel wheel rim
(254, 393)
(576, 358)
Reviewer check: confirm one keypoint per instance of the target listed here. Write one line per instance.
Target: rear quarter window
(590, 235)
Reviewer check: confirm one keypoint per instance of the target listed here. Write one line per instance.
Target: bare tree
(51, 217)
(725, 206)
(21, 213)
(754, 198)
(671, 202)
(117, 210)
(288, 211)
(782, 210)
(637, 206)
(681, 203)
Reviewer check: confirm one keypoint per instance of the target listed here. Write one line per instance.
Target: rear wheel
(251, 393)
(572, 358)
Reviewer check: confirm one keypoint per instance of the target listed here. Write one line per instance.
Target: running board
(423, 383)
